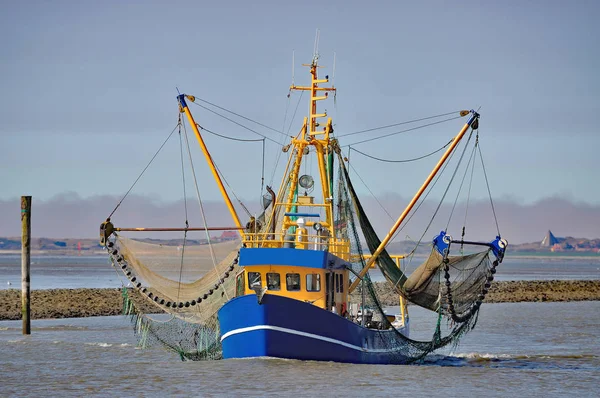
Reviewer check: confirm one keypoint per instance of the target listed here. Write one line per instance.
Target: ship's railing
(299, 240)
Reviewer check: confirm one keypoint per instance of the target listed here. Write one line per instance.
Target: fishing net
(191, 282)
(467, 276)
(183, 281)
(453, 287)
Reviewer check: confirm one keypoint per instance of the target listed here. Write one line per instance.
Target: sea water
(516, 349)
(51, 272)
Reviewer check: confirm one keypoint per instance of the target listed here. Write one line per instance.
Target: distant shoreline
(509, 256)
(75, 303)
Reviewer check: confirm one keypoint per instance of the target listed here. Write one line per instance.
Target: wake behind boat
(299, 285)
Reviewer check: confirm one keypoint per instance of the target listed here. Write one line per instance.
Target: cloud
(70, 216)
(517, 222)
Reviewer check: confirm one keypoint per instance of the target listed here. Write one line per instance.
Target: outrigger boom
(184, 109)
(473, 119)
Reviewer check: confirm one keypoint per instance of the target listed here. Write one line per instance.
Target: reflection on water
(521, 349)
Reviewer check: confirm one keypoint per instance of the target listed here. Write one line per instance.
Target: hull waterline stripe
(299, 333)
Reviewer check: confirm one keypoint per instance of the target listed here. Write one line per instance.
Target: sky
(88, 94)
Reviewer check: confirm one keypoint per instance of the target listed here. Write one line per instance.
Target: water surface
(48, 272)
(517, 349)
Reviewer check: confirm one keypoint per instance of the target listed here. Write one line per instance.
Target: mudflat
(74, 303)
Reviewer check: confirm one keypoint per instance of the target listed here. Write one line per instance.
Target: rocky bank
(71, 303)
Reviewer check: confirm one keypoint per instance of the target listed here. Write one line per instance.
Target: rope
(212, 252)
(242, 140)
(281, 144)
(371, 192)
(405, 160)
(238, 115)
(186, 211)
(421, 202)
(469, 193)
(233, 192)
(239, 124)
(226, 137)
(183, 174)
(488, 188)
(471, 157)
(181, 263)
(142, 173)
(407, 130)
(450, 182)
(445, 192)
(397, 124)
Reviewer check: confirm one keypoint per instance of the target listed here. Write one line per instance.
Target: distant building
(229, 235)
(549, 240)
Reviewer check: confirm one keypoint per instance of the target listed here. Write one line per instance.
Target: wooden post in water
(25, 262)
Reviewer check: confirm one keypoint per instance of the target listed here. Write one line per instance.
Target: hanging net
(453, 287)
(190, 283)
(185, 283)
(467, 275)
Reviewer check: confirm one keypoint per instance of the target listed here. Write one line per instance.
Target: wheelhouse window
(254, 279)
(292, 282)
(273, 281)
(341, 283)
(337, 283)
(313, 282)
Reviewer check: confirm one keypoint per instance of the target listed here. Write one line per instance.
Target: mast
(474, 117)
(209, 160)
(312, 134)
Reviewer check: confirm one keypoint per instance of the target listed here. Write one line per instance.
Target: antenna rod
(414, 200)
(333, 74)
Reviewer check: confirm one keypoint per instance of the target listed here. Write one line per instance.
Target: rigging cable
(406, 130)
(447, 187)
(288, 132)
(233, 192)
(469, 164)
(462, 238)
(239, 124)
(142, 173)
(398, 124)
(283, 137)
(183, 174)
(229, 138)
(210, 246)
(421, 202)
(244, 140)
(287, 107)
(185, 207)
(405, 160)
(488, 188)
(238, 115)
(371, 192)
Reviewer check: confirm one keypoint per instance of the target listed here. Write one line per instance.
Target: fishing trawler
(299, 286)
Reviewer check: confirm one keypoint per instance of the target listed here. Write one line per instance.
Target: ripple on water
(539, 361)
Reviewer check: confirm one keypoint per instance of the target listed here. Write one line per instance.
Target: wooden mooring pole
(25, 262)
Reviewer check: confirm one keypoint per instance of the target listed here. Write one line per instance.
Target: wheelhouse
(313, 276)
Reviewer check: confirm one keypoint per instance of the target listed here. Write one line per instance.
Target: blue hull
(286, 328)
